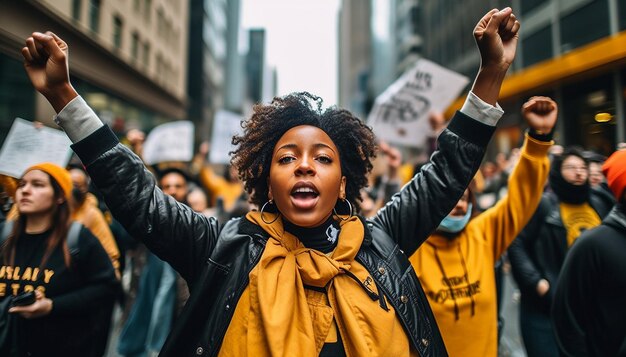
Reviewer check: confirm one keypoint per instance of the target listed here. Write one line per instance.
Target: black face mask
(78, 195)
(565, 191)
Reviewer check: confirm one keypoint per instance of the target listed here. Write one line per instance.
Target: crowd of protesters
(325, 254)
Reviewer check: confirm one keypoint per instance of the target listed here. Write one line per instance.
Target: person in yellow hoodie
(456, 264)
(85, 210)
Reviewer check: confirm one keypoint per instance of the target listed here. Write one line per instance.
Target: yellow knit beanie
(59, 174)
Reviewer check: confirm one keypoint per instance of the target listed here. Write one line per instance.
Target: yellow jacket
(458, 274)
(90, 216)
(220, 187)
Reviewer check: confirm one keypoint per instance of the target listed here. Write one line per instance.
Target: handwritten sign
(169, 142)
(400, 113)
(225, 125)
(27, 145)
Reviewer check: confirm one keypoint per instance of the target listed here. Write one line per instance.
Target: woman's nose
(305, 168)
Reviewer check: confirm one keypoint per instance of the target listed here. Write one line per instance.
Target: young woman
(304, 275)
(72, 281)
(456, 264)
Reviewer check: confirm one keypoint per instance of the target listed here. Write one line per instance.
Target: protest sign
(169, 142)
(225, 125)
(28, 144)
(400, 113)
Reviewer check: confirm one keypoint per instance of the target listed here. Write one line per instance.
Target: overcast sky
(301, 42)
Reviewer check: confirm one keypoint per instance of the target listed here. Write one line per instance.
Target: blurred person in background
(596, 177)
(538, 253)
(159, 293)
(226, 188)
(63, 263)
(199, 202)
(456, 265)
(588, 311)
(8, 185)
(85, 210)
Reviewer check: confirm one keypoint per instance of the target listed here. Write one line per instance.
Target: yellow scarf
(277, 316)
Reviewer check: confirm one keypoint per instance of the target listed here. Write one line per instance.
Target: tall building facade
(355, 47)
(573, 51)
(128, 59)
(215, 69)
(378, 41)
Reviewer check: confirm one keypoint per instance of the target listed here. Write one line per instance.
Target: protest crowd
(316, 238)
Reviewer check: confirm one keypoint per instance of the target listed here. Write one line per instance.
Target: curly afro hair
(254, 148)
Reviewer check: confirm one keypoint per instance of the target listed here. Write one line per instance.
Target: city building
(573, 51)
(354, 62)
(261, 78)
(214, 71)
(128, 59)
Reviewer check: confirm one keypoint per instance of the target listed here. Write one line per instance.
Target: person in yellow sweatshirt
(456, 265)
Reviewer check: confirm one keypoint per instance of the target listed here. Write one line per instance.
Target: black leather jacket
(539, 250)
(216, 259)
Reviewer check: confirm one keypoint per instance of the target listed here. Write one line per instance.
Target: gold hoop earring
(271, 202)
(337, 214)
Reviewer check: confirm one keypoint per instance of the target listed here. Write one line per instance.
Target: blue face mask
(452, 224)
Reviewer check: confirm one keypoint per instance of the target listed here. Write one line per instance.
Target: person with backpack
(54, 274)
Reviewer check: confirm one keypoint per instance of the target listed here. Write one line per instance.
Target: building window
(118, 27)
(94, 15)
(585, 25)
(589, 111)
(537, 47)
(160, 22)
(17, 97)
(529, 5)
(621, 13)
(147, 8)
(134, 46)
(146, 54)
(76, 7)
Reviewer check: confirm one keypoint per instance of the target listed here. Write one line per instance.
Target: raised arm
(503, 222)
(171, 230)
(413, 213)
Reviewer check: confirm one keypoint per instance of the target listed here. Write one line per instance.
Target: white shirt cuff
(485, 113)
(78, 120)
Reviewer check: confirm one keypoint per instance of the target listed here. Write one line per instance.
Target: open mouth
(304, 195)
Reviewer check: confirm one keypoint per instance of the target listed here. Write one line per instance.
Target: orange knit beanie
(59, 174)
(614, 170)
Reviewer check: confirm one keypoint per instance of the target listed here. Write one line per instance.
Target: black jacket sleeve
(416, 211)
(173, 231)
(97, 277)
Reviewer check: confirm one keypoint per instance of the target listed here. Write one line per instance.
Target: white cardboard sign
(169, 142)
(27, 145)
(400, 113)
(225, 125)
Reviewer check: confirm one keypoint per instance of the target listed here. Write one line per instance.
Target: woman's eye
(286, 159)
(325, 159)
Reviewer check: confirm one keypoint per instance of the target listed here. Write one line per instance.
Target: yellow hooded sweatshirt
(458, 274)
